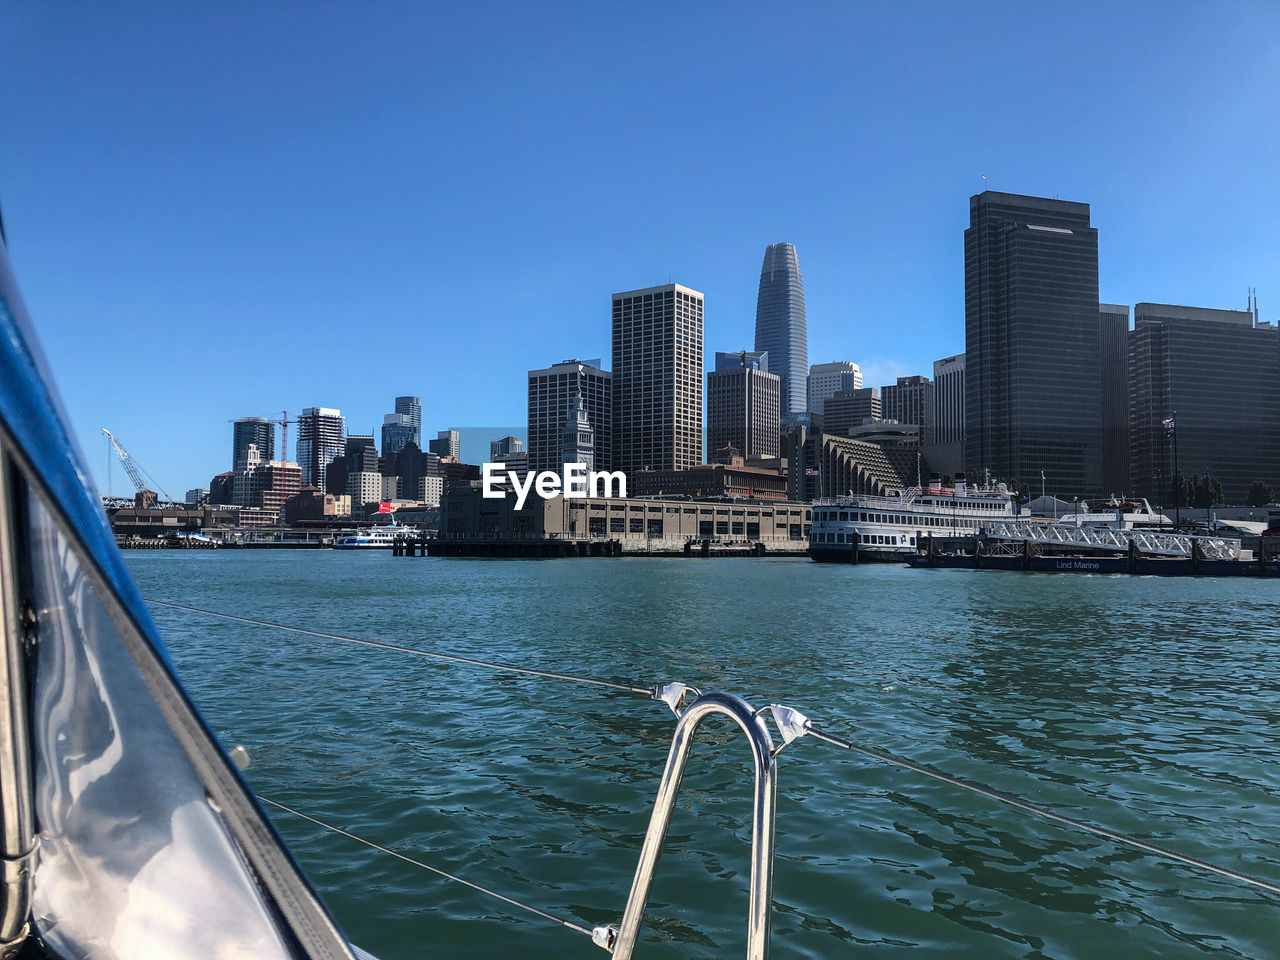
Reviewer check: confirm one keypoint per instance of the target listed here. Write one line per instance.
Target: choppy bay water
(1148, 705)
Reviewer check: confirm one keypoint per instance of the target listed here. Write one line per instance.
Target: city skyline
(247, 234)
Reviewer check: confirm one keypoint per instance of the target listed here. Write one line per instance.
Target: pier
(514, 547)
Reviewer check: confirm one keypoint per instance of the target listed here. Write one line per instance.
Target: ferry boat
(862, 528)
(375, 538)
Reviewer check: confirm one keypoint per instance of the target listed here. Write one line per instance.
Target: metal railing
(1108, 538)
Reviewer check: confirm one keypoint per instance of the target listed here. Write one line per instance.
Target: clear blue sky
(219, 210)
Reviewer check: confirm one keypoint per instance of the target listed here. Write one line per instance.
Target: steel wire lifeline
(426, 866)
(792, 725)
(414, 651)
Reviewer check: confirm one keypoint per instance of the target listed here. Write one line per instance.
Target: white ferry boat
(375, 538)
(859, 529)
(1119, 515)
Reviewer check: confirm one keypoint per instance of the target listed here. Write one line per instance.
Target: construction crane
(284, 422)
(133, 468)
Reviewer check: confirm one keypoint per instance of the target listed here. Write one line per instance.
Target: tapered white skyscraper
(780, 326)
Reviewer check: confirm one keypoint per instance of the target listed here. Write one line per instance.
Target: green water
(1147, 705)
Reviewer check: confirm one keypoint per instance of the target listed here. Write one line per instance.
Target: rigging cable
(990, 794)
(426, 866)
(801, 726)
(647, 691)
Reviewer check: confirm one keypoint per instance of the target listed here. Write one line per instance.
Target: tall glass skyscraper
(780, 326)
(411, 407)
(1033, 350)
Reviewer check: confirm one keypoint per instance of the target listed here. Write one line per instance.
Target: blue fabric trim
(30, 412)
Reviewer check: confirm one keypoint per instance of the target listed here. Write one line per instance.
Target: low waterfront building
(675, 520)
(310, 504)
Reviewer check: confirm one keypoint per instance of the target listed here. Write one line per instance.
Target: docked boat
(861, 529)
(375, 538)
(1119, 515)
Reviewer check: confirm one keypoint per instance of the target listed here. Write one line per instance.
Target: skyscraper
(945, 452)
(1032, 343)
(553, 395)
(910, 400)
(828, 379)
(1216, 370)
(657, 378)
(780, 325)
(259, 431)
(505, 447)
(320, 434)
(849, 408)
(742, 405)
(397, 432)
(448, 443)
(411, 407)
(1114, 331)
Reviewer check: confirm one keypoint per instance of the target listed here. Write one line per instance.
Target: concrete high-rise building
(448, 443)
(364, 488)
(247, 490)
(502, 449)
(398, 431)
(196, 497)
(828, 379)
(264, 484)
(780, 326)
(1032, 345)
(259, 431)
(320, 434)
(411, 407)
(910, 401)
(657, 379)
(553, 394)
(850, 408)
(945, 452)
(1216, 369)
(742, 405)
(1114, 334)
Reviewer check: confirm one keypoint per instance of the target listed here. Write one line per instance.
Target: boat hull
(844, 553)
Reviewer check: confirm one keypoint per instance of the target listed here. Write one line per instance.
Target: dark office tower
(780, 325)
(657, 379)
(1217, 370)
(742, 405)
(320, 434)
(411, 407)
(361, 453)
(1114, 319)
(910, 400)
(256, 430)
(1033, 381)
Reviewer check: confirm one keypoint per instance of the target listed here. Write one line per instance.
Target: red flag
(384, 507)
